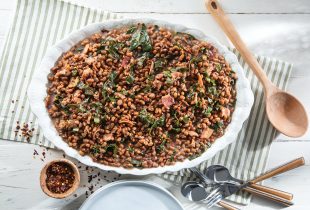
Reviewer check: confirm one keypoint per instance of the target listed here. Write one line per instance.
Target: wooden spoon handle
(229, 29)
(269, 196)
(279, 193)
(280, 169)
(227, 205)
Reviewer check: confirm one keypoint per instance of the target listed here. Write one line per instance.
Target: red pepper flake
(26, 131)
(35, 152)
(90, 178)
(91, 189)
(60, 177)
(43, 153)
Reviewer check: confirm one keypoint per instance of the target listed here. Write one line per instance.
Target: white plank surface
(197, 6)
(276, 28)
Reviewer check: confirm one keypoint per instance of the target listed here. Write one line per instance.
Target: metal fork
(216, 195)
(205, 180)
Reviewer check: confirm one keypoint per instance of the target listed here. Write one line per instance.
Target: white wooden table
(276, 28)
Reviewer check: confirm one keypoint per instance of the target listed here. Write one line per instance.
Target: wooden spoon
(284, 111)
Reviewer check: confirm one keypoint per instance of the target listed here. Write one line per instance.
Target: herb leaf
(96, 119)
(130, 79)
(161, 147)
(135, 162)
(131, 30)
(218, 67)
(141, 38)
(87, 90)
(112, 147)
(150, 120)
(95, 150)
(207, 112)
(108, 85)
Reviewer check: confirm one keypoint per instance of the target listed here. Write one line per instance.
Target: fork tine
(213, 192)
(211, 198)
(214, 201)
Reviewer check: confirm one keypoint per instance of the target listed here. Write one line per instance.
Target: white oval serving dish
(37, 93)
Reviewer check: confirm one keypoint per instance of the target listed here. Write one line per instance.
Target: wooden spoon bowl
(43, 177)
(286, 114)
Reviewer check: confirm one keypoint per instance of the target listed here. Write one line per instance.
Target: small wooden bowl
(68, 192)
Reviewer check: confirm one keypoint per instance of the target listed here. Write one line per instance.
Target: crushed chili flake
(90, 178)
(26, 131)
(60, 177)
(35, 152)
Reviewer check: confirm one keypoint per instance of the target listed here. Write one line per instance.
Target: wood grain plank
(7, 5)
(6, 15)
(197, 6)
(19, 176)
(190, 7)
(1, 43)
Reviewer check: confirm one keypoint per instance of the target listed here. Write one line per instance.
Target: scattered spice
(27, 132)
(35, 152)
(60, 177)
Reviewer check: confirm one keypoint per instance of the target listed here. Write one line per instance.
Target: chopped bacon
(151, 67)
(159, 76)
(157, 84)
(200, 82)
(206, 133)
(89, 60)
(167, 100)
(73, 82)
(125, 61)
(85, 50)
(119, 95)
(86, 73)
(192, 133)
(209, 70)
(225, 112)
(175, 75)
(126, 121)
(108, 137)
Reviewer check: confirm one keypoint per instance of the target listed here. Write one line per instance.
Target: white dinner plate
(132, 195)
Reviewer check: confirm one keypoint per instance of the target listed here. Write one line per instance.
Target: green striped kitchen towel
(39, 24)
